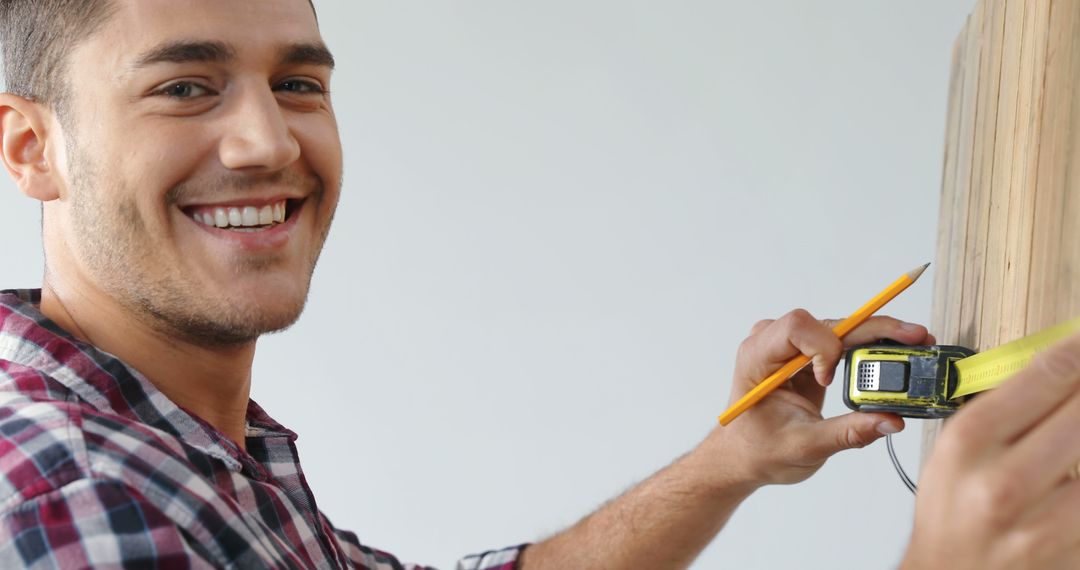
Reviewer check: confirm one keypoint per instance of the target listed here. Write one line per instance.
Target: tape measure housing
(912, 381)
(934, 381)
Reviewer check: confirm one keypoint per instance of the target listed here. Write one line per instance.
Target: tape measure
(934, 381)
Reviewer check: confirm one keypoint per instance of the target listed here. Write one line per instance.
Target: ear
(23, 139)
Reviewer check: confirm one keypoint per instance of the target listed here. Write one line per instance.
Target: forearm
(668, 520)
(664, 522)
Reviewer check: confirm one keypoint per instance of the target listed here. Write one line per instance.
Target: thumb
(849, 431)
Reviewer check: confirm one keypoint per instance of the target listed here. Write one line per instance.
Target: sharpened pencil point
(917, 272)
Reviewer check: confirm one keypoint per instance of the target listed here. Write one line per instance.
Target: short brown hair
(37, 38)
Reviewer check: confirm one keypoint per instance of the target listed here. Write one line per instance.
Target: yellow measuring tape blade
(986, 370)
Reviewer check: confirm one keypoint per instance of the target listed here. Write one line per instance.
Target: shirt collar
(29, 338)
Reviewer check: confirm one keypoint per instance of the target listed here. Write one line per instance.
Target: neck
(212, 383)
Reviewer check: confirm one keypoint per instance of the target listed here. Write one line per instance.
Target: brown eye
(300, 87)
(184, 90)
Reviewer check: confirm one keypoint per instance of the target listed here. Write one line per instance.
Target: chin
(265, 312)
(229, 322)
(267, 322)
(237, 328)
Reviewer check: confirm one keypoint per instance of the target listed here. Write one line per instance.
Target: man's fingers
(877, 328)
(805, 385)
(1002, 415)
(797, 332)
(848, 431)
(1048, 451)
(772, 343)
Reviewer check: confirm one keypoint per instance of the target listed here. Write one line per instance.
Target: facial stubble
(114, 240)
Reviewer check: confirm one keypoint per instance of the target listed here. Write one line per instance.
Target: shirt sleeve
(367, 557)
(94, 523)
(505, 559)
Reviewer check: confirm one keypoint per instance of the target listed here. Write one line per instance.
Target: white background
(560, 219)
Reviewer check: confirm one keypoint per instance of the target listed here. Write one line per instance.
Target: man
(188, 162)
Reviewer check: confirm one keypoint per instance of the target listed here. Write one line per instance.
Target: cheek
(153, 173)
(320, 147)
(103, 212)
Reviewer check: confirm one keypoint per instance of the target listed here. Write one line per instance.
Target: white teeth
(243, 218)
(251, 216)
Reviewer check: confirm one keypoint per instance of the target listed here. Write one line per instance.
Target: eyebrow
(186, 52)
(310, 53)
(307, 54)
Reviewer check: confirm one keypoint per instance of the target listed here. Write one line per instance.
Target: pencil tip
(917, 272)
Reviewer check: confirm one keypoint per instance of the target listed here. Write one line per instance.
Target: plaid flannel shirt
(99, 469)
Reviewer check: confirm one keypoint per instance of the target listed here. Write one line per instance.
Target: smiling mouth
(244, 218)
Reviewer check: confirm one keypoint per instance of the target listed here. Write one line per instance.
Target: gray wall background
(560, 219)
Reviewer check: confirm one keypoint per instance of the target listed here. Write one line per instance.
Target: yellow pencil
(841, 330)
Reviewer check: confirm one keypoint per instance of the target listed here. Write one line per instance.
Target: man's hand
(1000, 487)
(784, 439)
(667, 520)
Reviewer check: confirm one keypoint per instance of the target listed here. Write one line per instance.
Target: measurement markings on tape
(986, 370)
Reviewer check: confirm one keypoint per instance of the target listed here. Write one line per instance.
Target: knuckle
(746, 348)
(996, 498)
(1034, 544)
(795, 320)
(760, 326)
(801, 316)
(851, 438)
(831, 323)
(1062, 365)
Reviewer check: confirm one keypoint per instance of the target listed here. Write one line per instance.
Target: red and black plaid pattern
(100, 469)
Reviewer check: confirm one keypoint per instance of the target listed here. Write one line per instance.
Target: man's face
(203, 164)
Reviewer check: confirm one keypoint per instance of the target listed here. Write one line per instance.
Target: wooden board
(1008, 255)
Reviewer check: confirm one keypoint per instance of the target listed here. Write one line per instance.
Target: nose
(257, 136)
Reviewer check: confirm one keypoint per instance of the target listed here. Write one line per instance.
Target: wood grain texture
(1008, 254)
